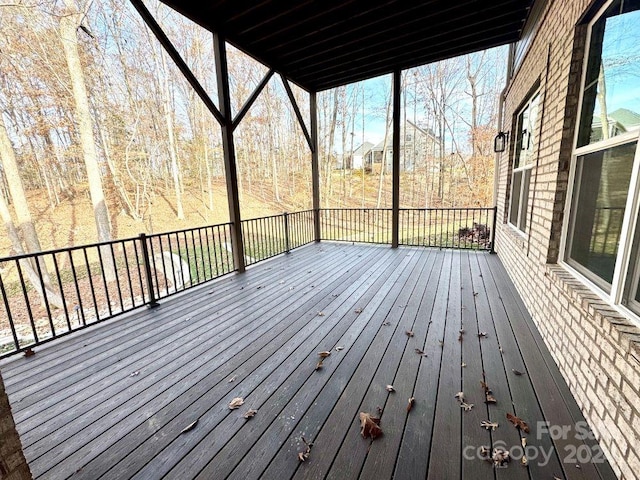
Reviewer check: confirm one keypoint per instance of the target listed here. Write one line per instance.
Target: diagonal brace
(287, 87)
(175, 56)
(247, 105)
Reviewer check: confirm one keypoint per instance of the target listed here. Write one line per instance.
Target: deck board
(83, 415)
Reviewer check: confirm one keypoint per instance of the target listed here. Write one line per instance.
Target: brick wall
(595, 347)
(13, 466)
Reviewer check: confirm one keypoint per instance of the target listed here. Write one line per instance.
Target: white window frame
(614, 295)
(519, 224)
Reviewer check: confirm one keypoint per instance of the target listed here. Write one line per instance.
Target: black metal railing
(266, 237)
(465, 228)
(362, 225)
(462, 228)
(50, 294)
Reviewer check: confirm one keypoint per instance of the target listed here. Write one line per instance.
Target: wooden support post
(395, 201)
(228, 146)
(315, 169)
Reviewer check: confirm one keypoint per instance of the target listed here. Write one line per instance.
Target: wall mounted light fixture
(500, 142)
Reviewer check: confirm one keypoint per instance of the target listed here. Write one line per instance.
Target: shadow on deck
(112, 402)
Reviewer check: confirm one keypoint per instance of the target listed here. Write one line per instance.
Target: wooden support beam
(315, 169)
(247, 105)
(222, 75)
(177, 58)
(395, 200)
(296, 109)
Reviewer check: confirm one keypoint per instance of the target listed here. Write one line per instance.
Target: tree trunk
(175, 171)
(69, 22)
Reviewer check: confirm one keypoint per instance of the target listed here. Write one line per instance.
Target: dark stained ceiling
(321, 44)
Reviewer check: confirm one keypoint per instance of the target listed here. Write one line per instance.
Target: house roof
(321, 44)
(362, 149)
(625, 117)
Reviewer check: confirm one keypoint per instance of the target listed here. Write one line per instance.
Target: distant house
(417, 145)
(619, 121)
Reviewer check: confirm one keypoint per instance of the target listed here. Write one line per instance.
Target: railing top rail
(449, 208)
(152, 235)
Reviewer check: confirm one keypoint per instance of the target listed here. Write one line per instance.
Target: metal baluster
(115, 272)
(127, 269)
(45, 297)
(75, 282)
(61, 286)
(93, 291)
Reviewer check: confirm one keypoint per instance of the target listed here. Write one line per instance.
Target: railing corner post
(287, 244)
(492, 250)
(147, 271)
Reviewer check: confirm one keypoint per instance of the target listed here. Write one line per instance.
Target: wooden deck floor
(112, 402)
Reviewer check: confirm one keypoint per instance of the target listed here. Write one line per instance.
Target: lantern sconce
(500, 142)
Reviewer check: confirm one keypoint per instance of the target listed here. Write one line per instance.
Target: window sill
(619, 322)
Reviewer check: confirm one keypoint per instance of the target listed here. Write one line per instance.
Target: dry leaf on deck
(324, 354)
(390, 389)
(485, 387)
(500, 457)
(369, 426)
(467, 406)
(339, 348)
(463, 365)
(386, 324)
(482, 335)
(524, 442)
(318, 365)
(236, 403)
(321, 314)
(517, 372)
(524, 461)
(412, 401)
(191, 426)
(250, 413)
(460, 337)
(420, 352)
(358, 310)
(409, 333)
(459, 396)
(490, 399)
(302, 456)
(484, 451)
(233, 379)
(518, 422)
(488, 425)
(135, 374)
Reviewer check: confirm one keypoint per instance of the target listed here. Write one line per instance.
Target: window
(603, 229)
(523, 162)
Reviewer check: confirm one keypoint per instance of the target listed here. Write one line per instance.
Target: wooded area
(95, 115)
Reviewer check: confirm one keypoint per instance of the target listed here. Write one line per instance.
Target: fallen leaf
(459, 396)
(233, 379)
(461, 331)
(324, 354)
(412, 401)
(321, 314)
(358, 310)
(420, 352)
(475, 294)
(191, 426)
(524, 442)
(339, 348)
(524, 461)
(484, 451)
(463, 365)
(485, 387)
(236, 403)
(369, 426)
(409, 333)
(302, 456)
(441, 342)
(390, 388)
(467, 406)
(385, 324)
(319, 365)
(482, 335)
(488, 425)
(500, 457)
(460, 337)
(250, 413)
(135, 374)
(517, 372)
(518, 422)
(490, 399)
